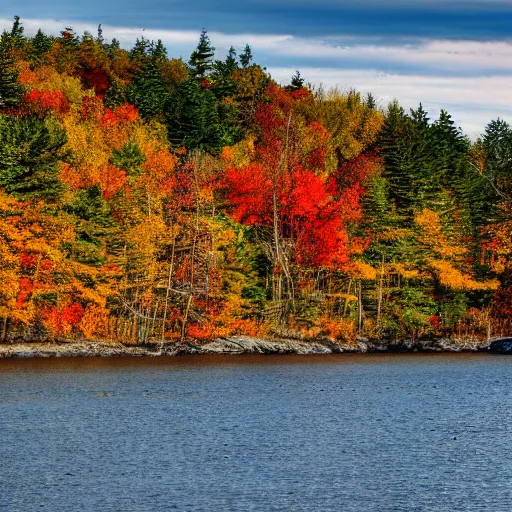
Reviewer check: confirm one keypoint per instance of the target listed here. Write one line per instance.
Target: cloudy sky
(453, 54)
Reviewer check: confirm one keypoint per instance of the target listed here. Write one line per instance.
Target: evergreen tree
(68, 38)
(497, 144)
(406, 157)
(201, 60)
(246, 57)
(370, 101)
(115, 94)
(29, 155)
(194, 119)
(16, 35)
(140, 49)
(149, 89)
(10, 90)
(41, 44)
(99, 37)
(296, 83)
(223, 82)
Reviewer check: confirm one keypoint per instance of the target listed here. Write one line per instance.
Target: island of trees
(144, 197)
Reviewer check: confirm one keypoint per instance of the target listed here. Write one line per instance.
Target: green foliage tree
(41, 44)
(196, 120)
(201, 60)
(30, 149)
(10, 90)
(246, 57)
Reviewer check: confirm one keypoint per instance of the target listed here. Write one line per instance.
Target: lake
(257, 433)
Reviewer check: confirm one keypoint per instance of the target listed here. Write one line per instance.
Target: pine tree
(370, 101)
(201, 60)
(29, 156)
(16, 35)
(99, 37)
(68, 38)
(140, 49)
(296, 83)
(149, 89)
(195, 119)
(10, 90)
(246, 57)
(41, 44)
(223, 81)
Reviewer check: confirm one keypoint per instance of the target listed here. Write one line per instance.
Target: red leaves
(92, 108)
(307, 212)
(250, 192)
(123, 114)
(26, 288)
(350, 182)
(63, 320)
(97, 79)
(42, 102)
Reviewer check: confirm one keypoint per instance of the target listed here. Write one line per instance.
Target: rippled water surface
(336, 433)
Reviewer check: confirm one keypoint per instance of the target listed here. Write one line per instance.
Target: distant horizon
(445, 56)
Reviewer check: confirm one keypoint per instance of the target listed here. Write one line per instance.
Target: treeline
(146, 198)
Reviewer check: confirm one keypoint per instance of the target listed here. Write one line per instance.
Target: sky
(451, 54)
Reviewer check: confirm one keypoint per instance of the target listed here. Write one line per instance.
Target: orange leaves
(159, 171)
(111, 179)
(94, 322)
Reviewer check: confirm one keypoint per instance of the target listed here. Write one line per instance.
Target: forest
(149, 198)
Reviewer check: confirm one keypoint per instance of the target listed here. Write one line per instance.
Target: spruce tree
(149, 89)
(246, 57)
(41, 44)
(29, 155)
(196, 120)
(10, 90)
(223, 82)
(201, 60)
(297, 82)
(16, 35)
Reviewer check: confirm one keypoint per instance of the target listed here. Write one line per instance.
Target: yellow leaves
(352, 125)
(431, 235)
(47, 79)
(407, 274)
(453, 278)
(362, 270)
(240, 155)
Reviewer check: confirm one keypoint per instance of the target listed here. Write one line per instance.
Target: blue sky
(453, 54)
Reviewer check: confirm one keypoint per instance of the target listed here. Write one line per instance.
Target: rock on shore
(235, 345)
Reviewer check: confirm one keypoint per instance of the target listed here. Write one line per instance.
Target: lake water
(242, 433)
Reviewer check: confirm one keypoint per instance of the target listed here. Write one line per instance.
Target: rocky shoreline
(235, 345)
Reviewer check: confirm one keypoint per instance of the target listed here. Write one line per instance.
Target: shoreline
(236, 345)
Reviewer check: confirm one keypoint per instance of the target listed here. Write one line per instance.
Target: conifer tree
(29, 154)
(201, 60)
(296, 83)
(41, 44)
(10, 90)
(246, 57)
(149, 89)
